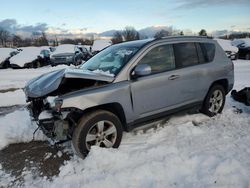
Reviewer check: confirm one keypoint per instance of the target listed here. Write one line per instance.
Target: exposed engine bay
(45, 110)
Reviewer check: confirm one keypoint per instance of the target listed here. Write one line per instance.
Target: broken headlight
(54, 103)
(57, 104)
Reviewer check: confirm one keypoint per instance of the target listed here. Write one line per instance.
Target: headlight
(69, 57)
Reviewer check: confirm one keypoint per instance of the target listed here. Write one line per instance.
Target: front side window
(160, 59)
(185, 54)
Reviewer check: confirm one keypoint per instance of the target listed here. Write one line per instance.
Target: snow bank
(5, 53)
(226, 45)
(27, 55)
(214, 154)
(12, 98)
(64, 48)
(17, 127)
(98, 45)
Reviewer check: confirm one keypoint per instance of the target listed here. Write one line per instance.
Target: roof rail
(181, 36)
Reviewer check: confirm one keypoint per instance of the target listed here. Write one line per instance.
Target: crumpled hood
(49, 82)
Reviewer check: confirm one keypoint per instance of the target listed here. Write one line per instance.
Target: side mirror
(141, 70)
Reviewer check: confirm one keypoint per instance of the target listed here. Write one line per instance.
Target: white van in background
(99, 45)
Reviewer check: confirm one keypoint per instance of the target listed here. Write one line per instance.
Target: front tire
(38, 64)
(214, 101)
(99, 128)
(247, 57)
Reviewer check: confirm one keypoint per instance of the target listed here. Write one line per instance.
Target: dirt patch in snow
(8, 109)
(38, 157)
(8, 90)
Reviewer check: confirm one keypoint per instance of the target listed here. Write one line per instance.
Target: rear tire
(99, 128)
(214, 101)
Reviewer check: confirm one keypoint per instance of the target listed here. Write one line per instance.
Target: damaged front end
(45, 99)
(49, 117)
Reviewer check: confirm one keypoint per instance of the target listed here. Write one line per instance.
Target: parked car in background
(230, 50)
(128, 85)
(244, 47)
(68, 54)
(5, 55)
(86, 52)
(99, 45)
(31, 57)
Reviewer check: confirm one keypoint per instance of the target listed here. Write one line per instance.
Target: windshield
(110, 60)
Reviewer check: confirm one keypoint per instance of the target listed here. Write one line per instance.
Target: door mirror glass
(142, 70)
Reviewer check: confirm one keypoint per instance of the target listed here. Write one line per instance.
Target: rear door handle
(173, 77)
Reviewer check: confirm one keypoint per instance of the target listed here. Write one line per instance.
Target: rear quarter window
(208, 50)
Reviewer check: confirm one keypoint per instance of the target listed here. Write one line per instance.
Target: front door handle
(173, 77)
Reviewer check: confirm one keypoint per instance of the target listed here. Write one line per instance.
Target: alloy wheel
(216, 101)
(102, 134)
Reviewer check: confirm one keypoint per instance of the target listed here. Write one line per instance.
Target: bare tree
(4, 36)
(117, 38)
(27, 42)
(42, 40)
(68, 41)
(17, 41)
(128, 34)
(162, 33)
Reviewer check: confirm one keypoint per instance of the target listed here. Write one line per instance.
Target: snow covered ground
(188, 151)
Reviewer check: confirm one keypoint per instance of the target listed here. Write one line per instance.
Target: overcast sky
(79, 16)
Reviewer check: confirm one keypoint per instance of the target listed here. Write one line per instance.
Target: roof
(135, 43)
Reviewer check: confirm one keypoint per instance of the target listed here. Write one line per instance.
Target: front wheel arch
(85, 125)
(115, 108)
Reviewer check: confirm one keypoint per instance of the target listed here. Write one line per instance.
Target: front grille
(60, 58)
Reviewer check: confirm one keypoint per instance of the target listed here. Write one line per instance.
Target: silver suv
(128, 85)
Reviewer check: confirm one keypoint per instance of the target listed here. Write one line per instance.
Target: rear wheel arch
(223, 83)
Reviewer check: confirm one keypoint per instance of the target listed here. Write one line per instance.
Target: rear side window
(160, 59)
(185, 54)
(208, 50)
